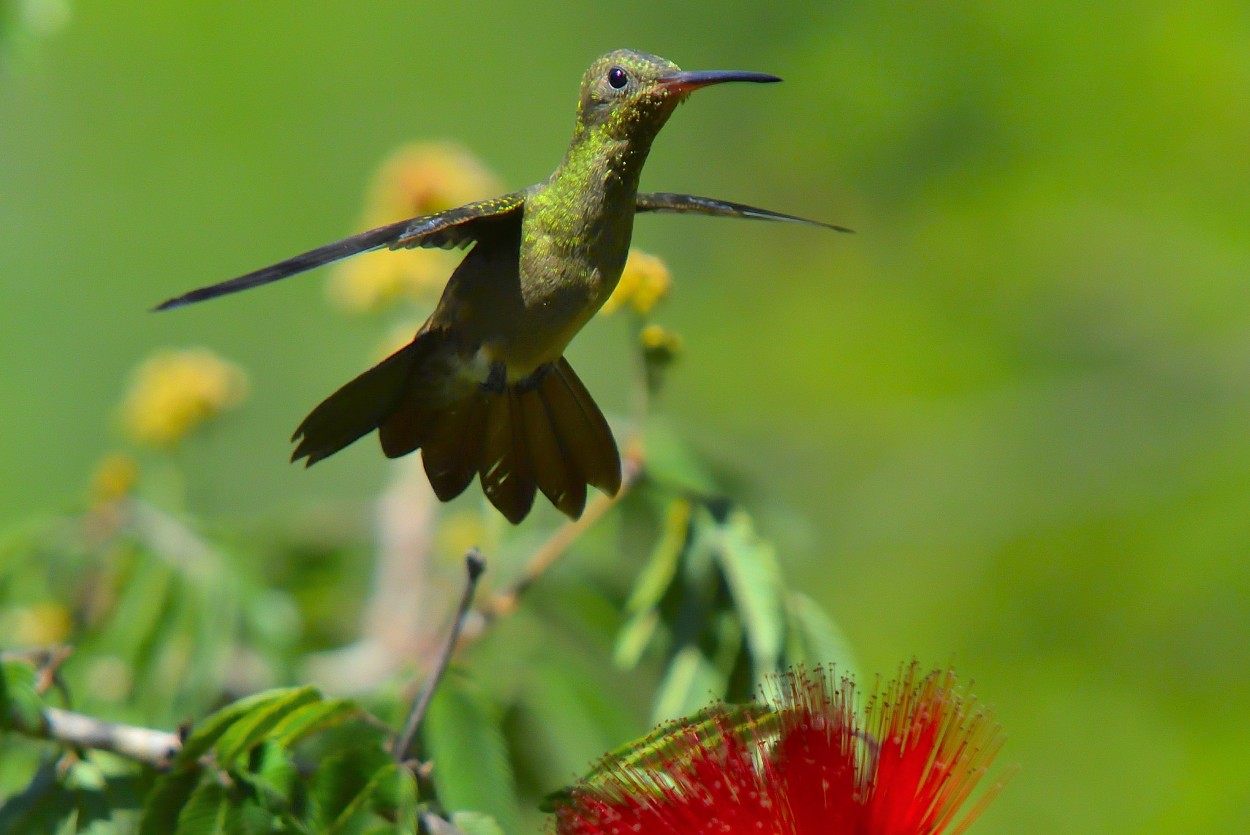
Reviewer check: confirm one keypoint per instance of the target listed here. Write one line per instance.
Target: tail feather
(360, 406)
(582, 428)
(452, 451)
(543, 433)
(504, 466)
(555, 474)
(408, 425)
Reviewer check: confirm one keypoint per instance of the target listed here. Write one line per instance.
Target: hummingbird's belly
(553, 309)
(564, 271)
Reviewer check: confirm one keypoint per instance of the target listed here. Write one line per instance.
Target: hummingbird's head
(630, 95)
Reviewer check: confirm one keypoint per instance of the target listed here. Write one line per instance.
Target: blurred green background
(1004, 425)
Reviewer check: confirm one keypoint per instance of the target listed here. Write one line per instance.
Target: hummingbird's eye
(617, 78)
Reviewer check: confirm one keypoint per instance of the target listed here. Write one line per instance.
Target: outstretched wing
(443, 230)
(666, 202)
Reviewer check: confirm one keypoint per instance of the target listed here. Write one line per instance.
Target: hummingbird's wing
(666, 202)
(443, 230)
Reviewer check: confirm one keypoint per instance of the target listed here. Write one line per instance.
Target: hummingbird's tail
(540, 433)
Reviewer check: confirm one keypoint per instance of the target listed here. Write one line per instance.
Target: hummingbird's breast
(570, 260)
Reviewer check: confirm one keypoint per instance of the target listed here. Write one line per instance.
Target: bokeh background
(1005, 425)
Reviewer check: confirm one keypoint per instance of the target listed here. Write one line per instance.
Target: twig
(506, 601)
(144, 745)
(474, 566)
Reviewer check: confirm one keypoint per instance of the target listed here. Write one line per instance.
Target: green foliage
(243, 770)
(731, 622)
(709, 615)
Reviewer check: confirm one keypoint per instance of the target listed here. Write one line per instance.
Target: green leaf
(341, 782)
(661, 568)
(166, 800)
(94, 809)
(43, 806)
(217, 724)
(206, 812)
(672, 463)
(464, 740)
(127, 790)
(395, 797)
(476, 823)
(754, 578)
(249, 818)
(689, 682)
(568, 716)
(254, 725)
(273, 776)
(312, 718)
(634, 637)
(652, 584)
(379, 794)
(20, 704)
(148, 595)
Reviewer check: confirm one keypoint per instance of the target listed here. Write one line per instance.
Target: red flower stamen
(807, 764)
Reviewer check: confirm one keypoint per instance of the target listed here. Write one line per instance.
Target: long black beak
(685, 82)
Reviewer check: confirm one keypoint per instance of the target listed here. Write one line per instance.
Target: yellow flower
(36, 625)
(114, 478)
(416, 180)
(660, 347)
(174, 392)
(644, 282)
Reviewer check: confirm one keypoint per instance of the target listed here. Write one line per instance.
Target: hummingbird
(484, 389)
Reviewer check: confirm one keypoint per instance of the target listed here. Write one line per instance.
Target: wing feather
(444, 230)
(689, 203)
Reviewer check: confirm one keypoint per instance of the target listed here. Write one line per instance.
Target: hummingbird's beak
(685, 82)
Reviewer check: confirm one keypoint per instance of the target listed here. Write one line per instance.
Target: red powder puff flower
(804, 764)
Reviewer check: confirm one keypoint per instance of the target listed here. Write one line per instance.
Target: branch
(474, 566)
(78, 730)
(145, 745)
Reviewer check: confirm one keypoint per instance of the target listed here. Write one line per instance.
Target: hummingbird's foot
(531, 382)
(496, 381)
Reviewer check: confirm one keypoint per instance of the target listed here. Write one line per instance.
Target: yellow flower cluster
(416, 180)
(644, 282)
(174, 392)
